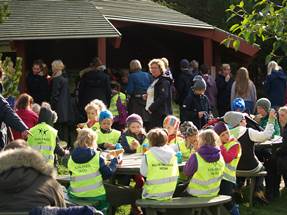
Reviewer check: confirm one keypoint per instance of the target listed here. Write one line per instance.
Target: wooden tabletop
(131, 164)
(184, 202)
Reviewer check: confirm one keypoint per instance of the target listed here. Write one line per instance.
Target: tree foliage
(4, 12)
(262, 22)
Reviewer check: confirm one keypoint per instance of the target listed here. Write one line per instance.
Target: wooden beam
(102, 50)
(207, 52)
(116, 42)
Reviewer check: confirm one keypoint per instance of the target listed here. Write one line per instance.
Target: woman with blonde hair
(138, 83)
(275, 84)
(244, 88)
(61, 101)
(158, 102)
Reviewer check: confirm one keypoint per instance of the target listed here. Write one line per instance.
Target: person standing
(244, 88)
(37, 83)
(275, 85)
(138, 83)
(158, 102)
(61, 101)
(224, 83)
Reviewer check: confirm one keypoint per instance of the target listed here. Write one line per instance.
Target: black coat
(61, 100)
(224, 94)
(183, 84)
(38, 88)
(161, 107)
(94, 85)
(194, 104)
(11, 119)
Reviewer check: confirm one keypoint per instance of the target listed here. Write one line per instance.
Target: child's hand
(201, 114)
(109, 146)
(135, 144)
(81, 125)
(272, 114)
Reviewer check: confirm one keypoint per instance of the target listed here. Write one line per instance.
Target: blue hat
(238, 104)
(105, 114)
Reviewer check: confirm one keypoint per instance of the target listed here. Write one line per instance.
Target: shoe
(238, 196)
(260, 196)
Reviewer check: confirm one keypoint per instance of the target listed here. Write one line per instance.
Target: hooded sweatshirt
(27, 181)
(207, 152)
(164, 154)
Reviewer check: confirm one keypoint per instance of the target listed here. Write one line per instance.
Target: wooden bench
(252, 177)
(186, 205)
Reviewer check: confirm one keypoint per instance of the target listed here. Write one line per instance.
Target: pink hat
(134, 118)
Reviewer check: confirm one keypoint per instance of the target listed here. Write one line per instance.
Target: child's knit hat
(134, 118)
(199, 84)
(171, 121)
(233, 118)
(105, 114)
(220, 127)
(264, 103)
(187, 128)
(238, 104)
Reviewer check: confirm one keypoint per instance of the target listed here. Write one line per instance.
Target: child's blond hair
(101, 105)
(86, 138)
(92, 106)
(209, 137)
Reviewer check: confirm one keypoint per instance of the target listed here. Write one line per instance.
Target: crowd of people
(220, 120)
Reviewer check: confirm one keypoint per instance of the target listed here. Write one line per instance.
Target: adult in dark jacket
(196, 106)
(61, 101)
(38, 84)
(138, 83)
(26, 180)
(158, 94)
(94, 84)
(224, 83)
(9, 118)
(275, 85)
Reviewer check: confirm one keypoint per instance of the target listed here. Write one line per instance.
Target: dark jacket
(38, 88)
(183, 84)
(224, 94)
(138, 82)
(207, 152)
(61, 99)
(275, 88)
(194, 104)
(26, 181)
(124, 142)
(84, 155)
(10, 118)
(94, 85)
(161, 107)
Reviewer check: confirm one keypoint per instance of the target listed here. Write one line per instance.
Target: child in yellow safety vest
(118, 106)
(107, 136)
(175, 139)
(88, 169)
(159, 167)
(205, 167)
(93, 110)
(231, 152)
(190, 133)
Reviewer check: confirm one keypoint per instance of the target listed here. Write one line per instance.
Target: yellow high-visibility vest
(112, 137)
(206, 180)
(161, 178)
(86, 179)
(95, 126)
(43, 139)
(180, 142)
(140, 148)
(113, 105)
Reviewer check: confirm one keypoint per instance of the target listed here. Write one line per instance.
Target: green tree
(4, 12)
(262, 22)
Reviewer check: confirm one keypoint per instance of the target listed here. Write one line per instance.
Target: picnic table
(275, 141)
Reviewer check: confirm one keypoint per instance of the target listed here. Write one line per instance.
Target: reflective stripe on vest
(85, 177)
(203, 192)
(162, 181)
(87, 188)
(230, 168)
(42, 147)
(161, 178)
(206, 180)
(86, 180)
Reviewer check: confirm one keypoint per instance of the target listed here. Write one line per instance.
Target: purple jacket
(207, 152)
(211, 90)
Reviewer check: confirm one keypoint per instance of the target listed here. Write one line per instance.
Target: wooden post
(102, 52)
(20, 48)
(207, 51)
